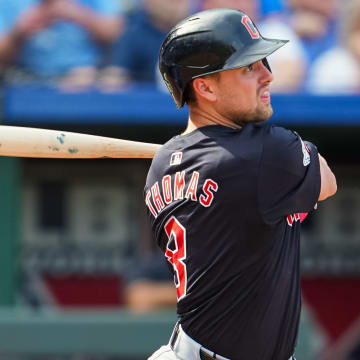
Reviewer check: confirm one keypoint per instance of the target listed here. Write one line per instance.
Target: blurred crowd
(113, 44)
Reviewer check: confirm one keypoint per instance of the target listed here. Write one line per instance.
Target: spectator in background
(289, 63)
(136, 51)
(57, 38)
(315, 23)
(150, 285)
(338, 69)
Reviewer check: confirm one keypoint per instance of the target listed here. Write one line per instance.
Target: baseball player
(226, 198)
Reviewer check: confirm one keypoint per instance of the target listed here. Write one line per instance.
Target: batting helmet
(208, 42)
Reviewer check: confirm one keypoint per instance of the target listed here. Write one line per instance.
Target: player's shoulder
(278, 136)
(283, 146)
(269, 136)
(223, 139)
(286, 149)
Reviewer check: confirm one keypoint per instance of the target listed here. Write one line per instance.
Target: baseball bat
(21, 141)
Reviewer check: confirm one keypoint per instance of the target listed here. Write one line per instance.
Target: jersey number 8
(176, 255)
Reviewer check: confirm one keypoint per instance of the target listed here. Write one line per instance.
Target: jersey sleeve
(289, 175)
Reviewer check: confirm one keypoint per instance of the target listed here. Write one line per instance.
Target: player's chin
(264, 113)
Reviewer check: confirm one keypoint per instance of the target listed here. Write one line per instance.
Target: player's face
(243, 94)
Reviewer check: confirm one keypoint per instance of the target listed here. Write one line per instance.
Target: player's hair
(189, 94)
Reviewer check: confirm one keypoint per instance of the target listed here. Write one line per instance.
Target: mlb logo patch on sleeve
(306, 153)
(176, 158)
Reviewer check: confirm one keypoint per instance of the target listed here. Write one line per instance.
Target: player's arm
(289, 175)
(328, 181)
(148, 295)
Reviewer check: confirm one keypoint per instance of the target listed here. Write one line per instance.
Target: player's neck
(199, 118)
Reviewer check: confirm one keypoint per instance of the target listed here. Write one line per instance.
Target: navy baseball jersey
(226, 207)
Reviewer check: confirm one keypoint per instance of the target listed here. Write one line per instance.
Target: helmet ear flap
(266, 64)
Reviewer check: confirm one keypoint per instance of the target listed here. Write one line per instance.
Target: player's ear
(204, 87)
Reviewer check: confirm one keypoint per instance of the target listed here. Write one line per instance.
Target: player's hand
(328, 180)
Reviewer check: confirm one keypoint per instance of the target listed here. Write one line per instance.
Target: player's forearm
(145, 295)
(328, 180)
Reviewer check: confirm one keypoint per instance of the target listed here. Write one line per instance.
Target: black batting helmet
(208, 42)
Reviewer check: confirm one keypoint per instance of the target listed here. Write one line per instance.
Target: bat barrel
(43, 143)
